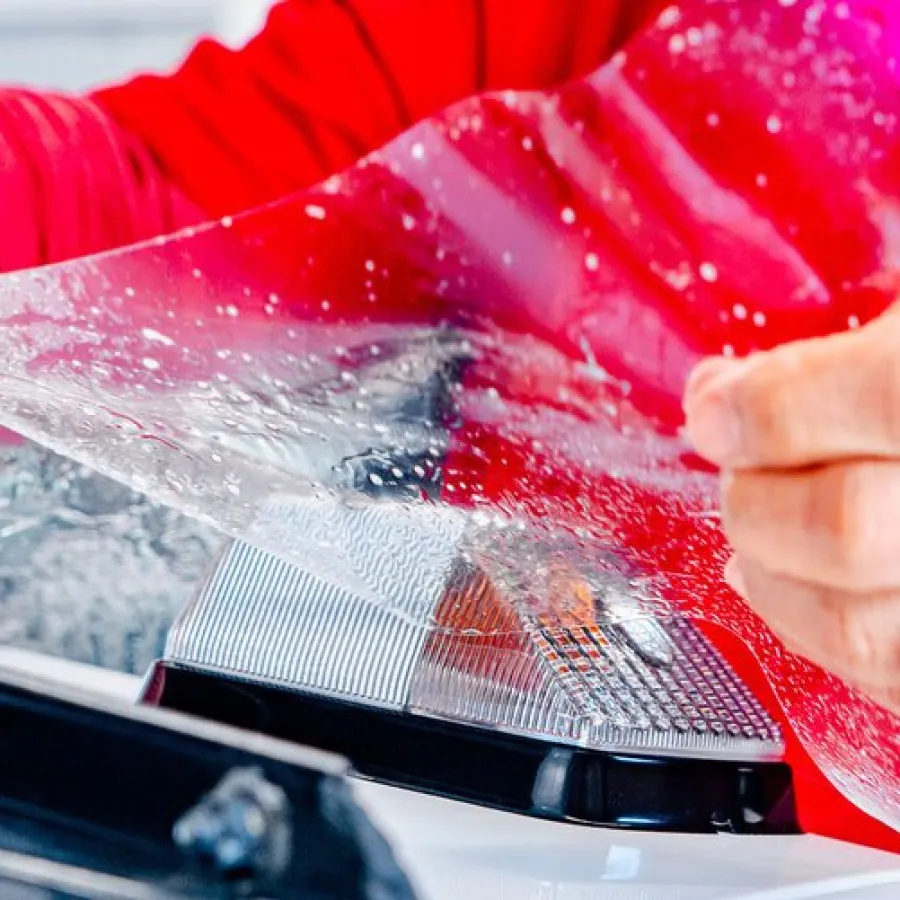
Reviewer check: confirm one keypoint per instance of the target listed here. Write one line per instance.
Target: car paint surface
(456, 851)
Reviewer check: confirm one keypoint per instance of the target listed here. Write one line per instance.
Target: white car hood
(456, 851)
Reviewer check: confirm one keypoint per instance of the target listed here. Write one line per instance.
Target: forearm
(74, 182)
(324, 83)
(330, 80)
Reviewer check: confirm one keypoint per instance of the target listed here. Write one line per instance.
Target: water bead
(708, 272)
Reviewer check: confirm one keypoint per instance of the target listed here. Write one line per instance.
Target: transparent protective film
(483, 332)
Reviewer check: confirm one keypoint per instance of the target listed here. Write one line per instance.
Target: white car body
(456, 851)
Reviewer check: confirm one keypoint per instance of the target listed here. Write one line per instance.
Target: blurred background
(78, 44)
(90, 570)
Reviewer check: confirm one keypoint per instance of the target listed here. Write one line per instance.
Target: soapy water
(495, 314)
(90, 570)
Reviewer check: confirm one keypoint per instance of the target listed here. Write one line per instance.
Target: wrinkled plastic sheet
(498, 311)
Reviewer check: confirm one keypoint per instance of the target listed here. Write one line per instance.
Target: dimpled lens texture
(551, 642)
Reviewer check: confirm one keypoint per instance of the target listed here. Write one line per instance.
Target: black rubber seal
(507, 772)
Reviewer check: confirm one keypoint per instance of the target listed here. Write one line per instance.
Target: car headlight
(503, 668)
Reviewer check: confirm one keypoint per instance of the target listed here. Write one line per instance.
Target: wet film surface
(495, 315)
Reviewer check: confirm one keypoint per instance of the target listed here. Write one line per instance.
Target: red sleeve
(325, 82)
(328, 80)
(73, 182)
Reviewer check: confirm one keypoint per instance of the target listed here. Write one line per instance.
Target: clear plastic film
(485, 330)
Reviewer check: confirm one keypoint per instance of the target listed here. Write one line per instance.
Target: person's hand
(808, 440)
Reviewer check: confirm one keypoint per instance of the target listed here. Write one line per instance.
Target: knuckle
(773, 426)
(881, 393)
(747, 509)
(844, 507)
(863, 639)
(762, 405)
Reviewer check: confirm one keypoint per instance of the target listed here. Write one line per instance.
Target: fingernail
(712, 421)
(734, 579)
(705, 371)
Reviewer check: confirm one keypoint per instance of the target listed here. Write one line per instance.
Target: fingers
(804, 403)
(856, 636)
(808, 438)
(836, 525)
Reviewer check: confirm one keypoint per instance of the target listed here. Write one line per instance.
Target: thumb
(808, 402)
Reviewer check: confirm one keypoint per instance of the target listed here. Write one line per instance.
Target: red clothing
(326, 81)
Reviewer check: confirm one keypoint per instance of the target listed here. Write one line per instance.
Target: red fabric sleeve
(328, 80)
(73, 182)
(325, 82)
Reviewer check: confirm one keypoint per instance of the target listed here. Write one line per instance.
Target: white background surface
(77, 44)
